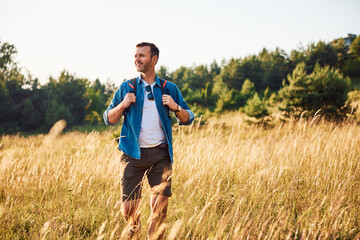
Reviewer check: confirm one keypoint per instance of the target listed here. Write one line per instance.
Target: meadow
(231, 180)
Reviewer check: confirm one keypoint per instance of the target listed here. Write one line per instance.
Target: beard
(141, 67)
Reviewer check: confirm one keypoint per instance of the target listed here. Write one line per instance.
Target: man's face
(143, 60)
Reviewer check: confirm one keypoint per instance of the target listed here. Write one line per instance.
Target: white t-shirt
(151, 131)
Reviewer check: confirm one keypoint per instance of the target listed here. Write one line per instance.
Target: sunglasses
(150, 95)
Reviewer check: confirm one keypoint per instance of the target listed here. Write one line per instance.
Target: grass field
(299, 180)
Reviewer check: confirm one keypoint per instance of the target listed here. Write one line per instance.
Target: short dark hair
(154, 51)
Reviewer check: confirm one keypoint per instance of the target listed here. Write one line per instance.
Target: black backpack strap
(165, 90)
(162, 86)
(133, 85)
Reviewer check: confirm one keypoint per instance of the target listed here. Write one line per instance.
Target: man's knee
(125, 210)
(159, 206)
(129, 208)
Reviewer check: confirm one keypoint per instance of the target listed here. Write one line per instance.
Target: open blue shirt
(130, 131)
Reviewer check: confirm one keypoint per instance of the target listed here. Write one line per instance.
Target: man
(146, 137)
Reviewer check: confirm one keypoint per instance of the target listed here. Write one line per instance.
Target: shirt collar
(157, 80)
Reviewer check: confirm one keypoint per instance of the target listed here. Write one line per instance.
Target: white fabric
(151, 131)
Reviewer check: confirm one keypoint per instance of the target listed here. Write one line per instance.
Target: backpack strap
(165, 91)
(162, 86)
(133, 86)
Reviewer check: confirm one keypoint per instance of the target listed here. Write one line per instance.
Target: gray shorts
(155, 164)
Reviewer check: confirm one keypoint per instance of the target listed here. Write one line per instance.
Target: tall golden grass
(299, 180)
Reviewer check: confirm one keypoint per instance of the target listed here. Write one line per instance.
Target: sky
(96, 39)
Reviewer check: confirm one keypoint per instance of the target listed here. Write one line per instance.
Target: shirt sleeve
(117, 99)
(180, 100)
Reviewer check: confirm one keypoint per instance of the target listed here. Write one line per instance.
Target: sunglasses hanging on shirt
(150, 94)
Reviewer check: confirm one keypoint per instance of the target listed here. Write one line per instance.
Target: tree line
(318, 76)
(310, 78)
(25, 105)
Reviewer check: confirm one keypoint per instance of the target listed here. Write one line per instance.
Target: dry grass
(230, 181)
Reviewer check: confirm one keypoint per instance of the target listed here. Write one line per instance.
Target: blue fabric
(130, 131)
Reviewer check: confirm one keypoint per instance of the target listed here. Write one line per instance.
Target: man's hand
(114, 114)
(129, 98)
(167, 100)
(182, 115)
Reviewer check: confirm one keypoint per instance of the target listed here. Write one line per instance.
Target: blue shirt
(130, 131)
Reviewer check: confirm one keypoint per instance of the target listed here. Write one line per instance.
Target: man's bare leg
(159, 205)
(131, 213)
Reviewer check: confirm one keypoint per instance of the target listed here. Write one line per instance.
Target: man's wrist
(178, 108)
(123, 105)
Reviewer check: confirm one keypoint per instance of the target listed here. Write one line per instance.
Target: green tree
(179, 77)
(7, 52)
(331, 89)
(295, 95)
(215, 69)
(12, 91)
(326, 88)
(341, 51)
(275, 67)
(30, 116)
(163, 73)
(200, 77)
(252, 69)
(351, 67)
(255, 107)
(355, 46)
(202, 97)
(297, 56)
(248, 89)
(231, 75)
(98, 95)
(56, 112)
(323, 54)
(231, 100)
(67, 92)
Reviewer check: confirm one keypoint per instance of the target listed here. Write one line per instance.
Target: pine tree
(255, 107)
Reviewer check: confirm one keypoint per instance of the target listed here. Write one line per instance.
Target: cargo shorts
(154, 164)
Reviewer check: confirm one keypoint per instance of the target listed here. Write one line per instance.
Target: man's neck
(148, 77)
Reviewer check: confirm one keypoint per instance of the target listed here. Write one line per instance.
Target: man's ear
(154, 59)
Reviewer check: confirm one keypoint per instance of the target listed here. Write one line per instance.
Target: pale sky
(96, 39)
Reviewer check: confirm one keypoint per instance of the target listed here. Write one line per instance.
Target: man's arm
(114, 114)
(182, 115)
(173, 100)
